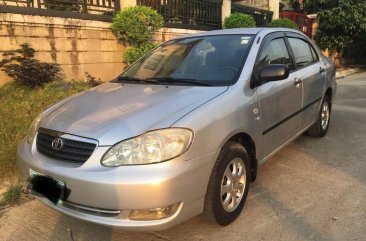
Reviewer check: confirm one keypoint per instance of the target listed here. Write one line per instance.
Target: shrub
(21, 65)
(136, 25)
(239, 20)
(283, 23)
(134, 53)
(92, 80)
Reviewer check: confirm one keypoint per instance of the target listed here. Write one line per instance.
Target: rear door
(310, 71)
(280, 101)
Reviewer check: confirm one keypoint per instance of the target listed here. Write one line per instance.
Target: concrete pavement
(314, 189)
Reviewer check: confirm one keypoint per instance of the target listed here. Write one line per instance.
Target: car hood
(113, 111)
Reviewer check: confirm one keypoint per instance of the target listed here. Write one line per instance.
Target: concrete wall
(79, 46)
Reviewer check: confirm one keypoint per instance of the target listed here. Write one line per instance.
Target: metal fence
(106, 7)
(187, 13)
(304, 23)
(262, 17)
(83, 6)
(18, 3)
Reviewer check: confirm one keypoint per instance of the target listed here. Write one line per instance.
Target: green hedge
(283, 23)
(136, 25)
(239, 20)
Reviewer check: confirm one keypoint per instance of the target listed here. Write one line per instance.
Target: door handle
(321, 70)
(297, 82)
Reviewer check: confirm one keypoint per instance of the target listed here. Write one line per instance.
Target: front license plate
(53, 190)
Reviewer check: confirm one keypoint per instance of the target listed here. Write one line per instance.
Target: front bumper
(95, 187)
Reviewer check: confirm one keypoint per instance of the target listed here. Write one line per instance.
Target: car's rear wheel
(229, 185)
(321, 125)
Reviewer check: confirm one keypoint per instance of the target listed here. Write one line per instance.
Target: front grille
(73, 151)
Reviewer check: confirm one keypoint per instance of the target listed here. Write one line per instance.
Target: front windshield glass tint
(208, 60)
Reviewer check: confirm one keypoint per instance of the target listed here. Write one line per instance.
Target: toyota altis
(181, 131)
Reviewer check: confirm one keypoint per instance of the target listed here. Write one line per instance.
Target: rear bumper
(125, 188)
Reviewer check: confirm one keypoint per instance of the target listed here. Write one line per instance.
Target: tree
(296, 6)
(315, 6)
(342, 26)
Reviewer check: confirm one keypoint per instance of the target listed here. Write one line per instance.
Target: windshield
(206, 60)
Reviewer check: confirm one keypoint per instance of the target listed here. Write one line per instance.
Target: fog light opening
(153, 214)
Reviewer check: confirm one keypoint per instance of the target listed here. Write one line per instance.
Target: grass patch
(11, 195)
(19, 105)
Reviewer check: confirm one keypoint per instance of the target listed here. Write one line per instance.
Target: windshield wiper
(168, 80)
(165, 80)
(133, 79)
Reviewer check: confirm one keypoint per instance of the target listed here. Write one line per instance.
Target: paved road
(314, 189)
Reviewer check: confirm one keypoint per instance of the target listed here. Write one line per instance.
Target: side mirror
(271, 72)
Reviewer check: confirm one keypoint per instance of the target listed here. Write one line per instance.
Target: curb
(346, 72)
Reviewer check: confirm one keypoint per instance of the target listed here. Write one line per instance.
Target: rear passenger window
(274, 53)
(302, 52)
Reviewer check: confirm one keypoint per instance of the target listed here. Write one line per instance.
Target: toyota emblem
(57, 144)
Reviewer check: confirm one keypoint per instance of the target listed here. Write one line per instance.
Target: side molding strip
(290, 116)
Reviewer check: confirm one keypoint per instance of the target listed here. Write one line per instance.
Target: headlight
(151, 147)
(33, 129)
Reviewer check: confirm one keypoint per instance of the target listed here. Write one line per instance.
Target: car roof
(250, 31)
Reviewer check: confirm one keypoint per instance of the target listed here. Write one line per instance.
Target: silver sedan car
(181, 131)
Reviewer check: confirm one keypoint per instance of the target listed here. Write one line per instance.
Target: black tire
(317, 129)
(214, 208)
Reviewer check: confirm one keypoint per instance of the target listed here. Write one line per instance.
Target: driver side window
(275, 52)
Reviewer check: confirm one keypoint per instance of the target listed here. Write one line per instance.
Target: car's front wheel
(321, 125)
(229, 185)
